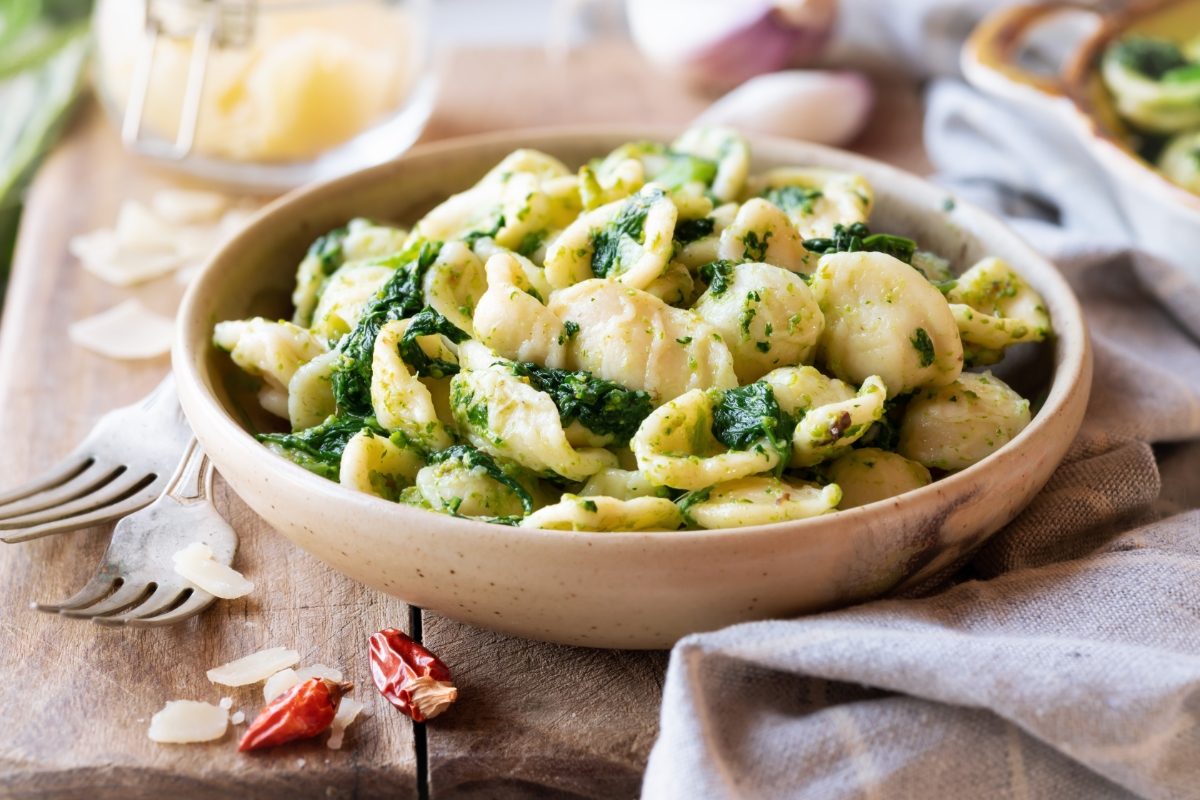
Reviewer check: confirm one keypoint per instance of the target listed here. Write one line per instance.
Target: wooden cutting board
(533, 719)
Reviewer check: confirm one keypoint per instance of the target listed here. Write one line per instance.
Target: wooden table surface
(533, 719)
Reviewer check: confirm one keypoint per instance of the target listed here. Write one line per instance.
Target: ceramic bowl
(634, 590)
(1164, 217)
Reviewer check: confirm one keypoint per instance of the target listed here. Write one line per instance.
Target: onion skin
(815, 106)
(761, 37)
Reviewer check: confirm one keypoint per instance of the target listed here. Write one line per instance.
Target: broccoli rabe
(628, 226)
(718, 274)
(746, 416)
(471, 458)
(319, 449)
(601, 406)
(858, 237)
(427, 323)
(399, 298)
(793, 198)
(1147, 56)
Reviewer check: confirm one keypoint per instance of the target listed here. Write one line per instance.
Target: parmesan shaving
(188, 207)
(285, 679)
(319, 671)
(183, 721)
(127, 331)
(179, 228)
(348, 711)
(254, 667)
(195, 562)
(138, 228)
(279, 683)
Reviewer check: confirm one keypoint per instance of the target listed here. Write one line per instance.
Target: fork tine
(126, 595)
(198, 601)
(91, 478)
(130, 504)
(119, 486)
(159, 601)
(61, 472)
(96, 589)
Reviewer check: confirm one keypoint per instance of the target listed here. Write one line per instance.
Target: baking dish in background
(1164, 218)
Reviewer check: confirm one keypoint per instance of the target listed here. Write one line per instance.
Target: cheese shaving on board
(279, 683)
(285, 679)
(195, 562)
(188, 206)
(348, 711)
(254, 667)
(127, 331)
(184, 721)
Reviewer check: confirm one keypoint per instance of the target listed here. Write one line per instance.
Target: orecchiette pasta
(953, 427)
(659, 340)
(629, 240)
(272, 350)
(675, 447)
(761, 501)
(869, 474)
(360, 239)
(622, 484)
(454, 283)
(512, 321)
(767, 317)
(883, 318)
(831, 428)
(575, 513)
(310, 394)
(376, 465)
(454, 487)
(400, 401)
(502, 414)
(762, 232)
(345, 295)
(639, 341)
(728, 149)
(815, 199)
(995, 308)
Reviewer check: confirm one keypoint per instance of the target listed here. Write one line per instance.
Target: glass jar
(265, 94)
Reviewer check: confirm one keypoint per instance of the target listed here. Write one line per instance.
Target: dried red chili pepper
(299, 713)
(410, 677)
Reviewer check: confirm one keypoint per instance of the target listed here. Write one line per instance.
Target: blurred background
(264, 96)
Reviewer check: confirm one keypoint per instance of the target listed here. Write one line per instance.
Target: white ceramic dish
(639, 590)
(1163, 216)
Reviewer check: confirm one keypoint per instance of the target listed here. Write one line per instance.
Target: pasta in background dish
(660, 341)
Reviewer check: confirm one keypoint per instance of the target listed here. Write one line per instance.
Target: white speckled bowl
(638, 590)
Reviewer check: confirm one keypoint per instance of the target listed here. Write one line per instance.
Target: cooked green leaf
(429, 322)
(319, 449)
(793, 198)
(602, 406)
(857, 237)
(747, 416)
(399, 298)
(627, 229)
(471, 458)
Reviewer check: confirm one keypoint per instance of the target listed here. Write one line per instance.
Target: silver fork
(136, 583)
(121, 466)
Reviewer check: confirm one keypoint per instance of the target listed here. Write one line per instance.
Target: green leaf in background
(43, 52)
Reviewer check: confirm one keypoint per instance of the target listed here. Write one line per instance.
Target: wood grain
(533, 719)
(78, 696)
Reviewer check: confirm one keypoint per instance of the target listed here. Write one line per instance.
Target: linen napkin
(1064, 660)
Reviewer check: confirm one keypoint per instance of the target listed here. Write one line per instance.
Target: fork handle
(193, 478)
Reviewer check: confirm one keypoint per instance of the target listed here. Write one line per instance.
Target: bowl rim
(1071, 373)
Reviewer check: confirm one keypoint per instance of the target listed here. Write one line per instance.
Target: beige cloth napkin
(1064, 661)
